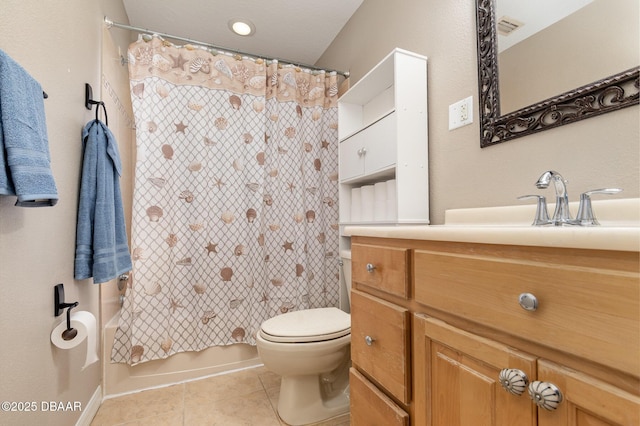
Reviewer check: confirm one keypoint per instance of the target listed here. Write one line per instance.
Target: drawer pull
(528, 301)
(513, 380)
(370, 267)
(361, 152)
(369, 340)
(546, 395)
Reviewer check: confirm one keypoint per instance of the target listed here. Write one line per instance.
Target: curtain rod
(109, 23)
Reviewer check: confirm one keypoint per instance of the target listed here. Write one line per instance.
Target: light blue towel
(25, 164)
(102, 251)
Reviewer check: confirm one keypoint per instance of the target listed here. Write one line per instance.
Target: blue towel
(25, 164)
(102, 251)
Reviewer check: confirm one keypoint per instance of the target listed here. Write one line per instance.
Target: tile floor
(243, 398)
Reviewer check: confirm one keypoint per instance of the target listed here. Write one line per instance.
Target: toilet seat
(307, 326)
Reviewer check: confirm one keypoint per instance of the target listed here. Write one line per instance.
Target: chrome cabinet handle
(361, 152)
(546, 395)
(370, 267)
(513, 380)
(369, 340)
(528, 301)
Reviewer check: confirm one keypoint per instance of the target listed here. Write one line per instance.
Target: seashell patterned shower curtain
(235, 202)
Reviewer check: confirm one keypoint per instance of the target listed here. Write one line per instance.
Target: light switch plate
(461, 113)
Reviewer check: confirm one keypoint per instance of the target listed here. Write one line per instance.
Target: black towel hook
(89, 102)
(104, 108)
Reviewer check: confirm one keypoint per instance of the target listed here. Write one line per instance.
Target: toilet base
(304, 399)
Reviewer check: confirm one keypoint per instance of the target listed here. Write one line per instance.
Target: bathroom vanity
(452, 325)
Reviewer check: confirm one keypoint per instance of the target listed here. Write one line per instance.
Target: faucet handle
(542, 215)
(585, 216)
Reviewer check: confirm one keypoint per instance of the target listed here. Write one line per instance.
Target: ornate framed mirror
(609, 94)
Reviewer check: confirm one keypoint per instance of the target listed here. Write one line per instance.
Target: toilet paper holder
(59, 307)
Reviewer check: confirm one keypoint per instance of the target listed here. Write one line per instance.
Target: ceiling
(298, 31)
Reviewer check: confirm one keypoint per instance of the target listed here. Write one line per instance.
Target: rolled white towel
(380, 202)
(356, 205)
(368, 203)
(392, 200)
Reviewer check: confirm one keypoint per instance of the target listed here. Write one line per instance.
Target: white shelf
(383, 136)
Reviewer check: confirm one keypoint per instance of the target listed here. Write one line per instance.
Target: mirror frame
(607, 95)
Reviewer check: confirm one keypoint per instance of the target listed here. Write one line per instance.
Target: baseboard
(89, 412)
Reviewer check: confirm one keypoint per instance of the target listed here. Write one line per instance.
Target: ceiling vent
(507, 25)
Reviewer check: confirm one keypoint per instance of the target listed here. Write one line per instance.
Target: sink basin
(616, 213)
(511, 225)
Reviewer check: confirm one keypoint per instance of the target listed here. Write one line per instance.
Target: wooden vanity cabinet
(467, 326)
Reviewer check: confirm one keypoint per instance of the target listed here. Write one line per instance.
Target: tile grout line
(184, 398)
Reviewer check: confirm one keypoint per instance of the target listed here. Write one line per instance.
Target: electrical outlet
(461, 113)
(464, 112)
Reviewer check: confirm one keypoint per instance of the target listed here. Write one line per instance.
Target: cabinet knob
(546, 395)
(513, 380)
(528, 301)
(369, 340)
(362, 151)
(370, 267)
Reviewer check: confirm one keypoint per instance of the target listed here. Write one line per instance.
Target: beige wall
(595, 153)
(117, 99)
(59, 43)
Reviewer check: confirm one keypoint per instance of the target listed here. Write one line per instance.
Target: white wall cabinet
(383, 136)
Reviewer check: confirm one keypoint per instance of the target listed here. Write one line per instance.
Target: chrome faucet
(561, 215)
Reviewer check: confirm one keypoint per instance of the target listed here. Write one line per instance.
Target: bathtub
(123, 378)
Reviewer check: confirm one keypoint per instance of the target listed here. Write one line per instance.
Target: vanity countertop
(510, 225)
(598, 238)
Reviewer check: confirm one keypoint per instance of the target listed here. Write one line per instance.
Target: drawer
(589, 312)
(390, 268)
(371, 407)
(380, 342)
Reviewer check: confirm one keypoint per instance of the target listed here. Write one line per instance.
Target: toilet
(310, 350)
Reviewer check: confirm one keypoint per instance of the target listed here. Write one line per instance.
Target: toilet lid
(309, 325)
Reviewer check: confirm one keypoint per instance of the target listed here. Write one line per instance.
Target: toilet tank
(345, 280)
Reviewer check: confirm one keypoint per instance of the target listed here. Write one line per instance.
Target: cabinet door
(586, 401)
(371, 407)
(370, 151)
(460, 379)
(380, 143)
(351, 164)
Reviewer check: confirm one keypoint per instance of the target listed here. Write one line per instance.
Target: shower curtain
(235, 215)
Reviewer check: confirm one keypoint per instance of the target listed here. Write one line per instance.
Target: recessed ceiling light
(242, 27)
